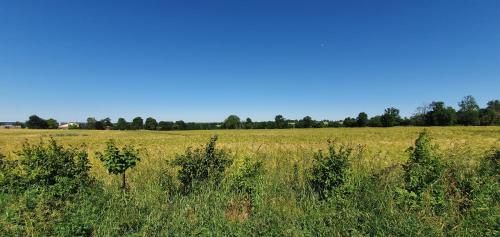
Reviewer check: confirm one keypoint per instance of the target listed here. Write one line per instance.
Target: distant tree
(280, 121)
(91, 122)
(150, 124)
(390, 117)
(36, 122)
(232, 122)
(52, 124)
(270, 125)
(165, 126)
(494, 105)
(335, 124)
(468, 114)
(192, 126)
(362, 119)
(349, 122)
(439, 115)
(106, 123)
(420, 118)
(320, 124)
(122, 124)
(248, 124)
(405, 122)
(375, 121)
(137, 123)
(22, 125)
(491, 114)
(180, 125)
(306, 122)
(99, 125)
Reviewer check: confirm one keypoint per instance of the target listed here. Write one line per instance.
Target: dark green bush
(50, 167)
(200, 165)
(424, 167)
(40, 185)
(331, 171)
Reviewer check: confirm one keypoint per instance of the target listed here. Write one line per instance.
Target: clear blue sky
(204, 60)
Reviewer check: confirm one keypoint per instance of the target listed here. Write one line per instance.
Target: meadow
(282, 203)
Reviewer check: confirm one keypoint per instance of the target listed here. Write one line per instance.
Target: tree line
(434, 114)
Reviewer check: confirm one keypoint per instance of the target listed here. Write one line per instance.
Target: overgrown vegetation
(40, 185)
(49, 190)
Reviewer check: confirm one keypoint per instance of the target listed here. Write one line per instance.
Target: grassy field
(283, 205)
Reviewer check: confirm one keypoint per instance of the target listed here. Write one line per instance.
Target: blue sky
(204, 60)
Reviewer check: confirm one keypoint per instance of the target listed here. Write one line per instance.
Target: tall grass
(282, 203)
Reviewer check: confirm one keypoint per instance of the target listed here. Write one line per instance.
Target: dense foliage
(40, 186)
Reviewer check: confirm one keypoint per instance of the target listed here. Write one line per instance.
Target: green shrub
(42, 183)
(246, 180)
(422, 173)
(200, 165)
(117, 160)
(52, 167)
(485, 205)
(423, 168)
(330, 171)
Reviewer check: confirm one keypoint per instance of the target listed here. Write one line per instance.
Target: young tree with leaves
(117, 160)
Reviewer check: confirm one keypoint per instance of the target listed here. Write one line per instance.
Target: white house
(68, 125)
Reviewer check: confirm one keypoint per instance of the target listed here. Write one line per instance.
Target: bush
(200, 165)
(117, 160)
(50, 166)
(486, 195)
(422, 173)
(40, 185)
(246, 179)
(330, 171)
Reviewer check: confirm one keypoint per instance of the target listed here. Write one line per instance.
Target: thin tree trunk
(123, 181)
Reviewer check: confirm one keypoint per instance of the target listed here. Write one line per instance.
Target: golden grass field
(284, 205)
(383, 146)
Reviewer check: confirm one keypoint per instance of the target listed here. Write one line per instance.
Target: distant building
(69, 125)
(10, 125)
